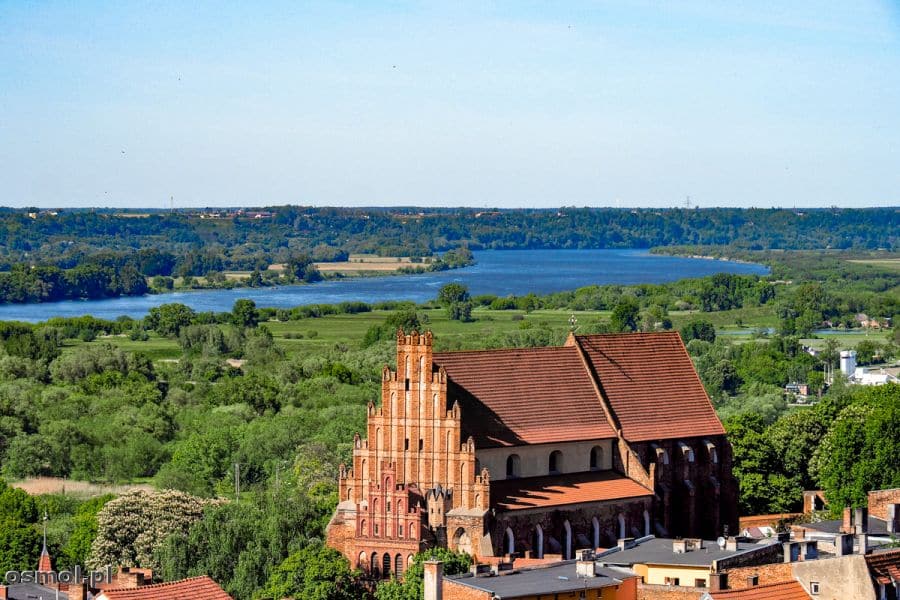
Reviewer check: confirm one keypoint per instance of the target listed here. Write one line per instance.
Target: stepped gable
(519, 396)
(650, 383)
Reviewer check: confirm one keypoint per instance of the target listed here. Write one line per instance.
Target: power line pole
(237, 482)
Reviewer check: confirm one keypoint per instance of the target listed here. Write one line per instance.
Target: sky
(486, 104)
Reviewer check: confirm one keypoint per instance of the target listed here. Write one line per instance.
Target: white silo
(848, 363)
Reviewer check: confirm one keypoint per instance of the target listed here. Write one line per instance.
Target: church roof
(651, 385)
(560, 490)
(521, 396)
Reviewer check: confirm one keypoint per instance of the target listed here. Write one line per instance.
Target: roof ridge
(512, 349)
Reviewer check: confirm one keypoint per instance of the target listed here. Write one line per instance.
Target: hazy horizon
(507, 105)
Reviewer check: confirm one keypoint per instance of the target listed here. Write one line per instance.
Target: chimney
(784, 536)
(626, 543)
(753, 581)
(863, 541)
(584, 566)
(718, 582)
(434, 580)
(731, 544)
(843, 544)
(847, 520)
(77, 591)
(679, 546)
(791, 552)
(893, 518)
(861, 520)
(4, 592)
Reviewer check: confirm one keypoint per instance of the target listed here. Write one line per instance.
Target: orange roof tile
(522, 396)
(560, 490)
(784, 590)
(885, 566)
(651, 385)
(194, 588)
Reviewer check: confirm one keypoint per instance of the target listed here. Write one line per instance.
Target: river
(500, 272)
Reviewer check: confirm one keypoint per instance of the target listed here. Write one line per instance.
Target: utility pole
(237, 482)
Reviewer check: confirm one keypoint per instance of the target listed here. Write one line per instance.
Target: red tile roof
(560, 490)
(884, 566)
(194, 588)
(651, 385)
(784, 590)
(524, 396)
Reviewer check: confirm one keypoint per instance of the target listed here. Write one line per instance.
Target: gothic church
(534, 452)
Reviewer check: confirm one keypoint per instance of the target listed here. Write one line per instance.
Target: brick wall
(455, 591)
(879, 499)
(773, 573)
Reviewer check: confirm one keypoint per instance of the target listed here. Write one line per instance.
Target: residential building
(566, 580)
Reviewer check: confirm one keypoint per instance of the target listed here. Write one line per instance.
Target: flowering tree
(133, 525)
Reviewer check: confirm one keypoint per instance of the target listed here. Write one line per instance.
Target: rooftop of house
(33, 591)
(876, 526)
(521, 396)
(783, 590)
(660, 551)
(193, 588)
(884, 566)
(558, 490)
(557, 578)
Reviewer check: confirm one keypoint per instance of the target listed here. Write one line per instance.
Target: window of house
(700, 583)
(421, 444)
(814, 587)
(388, 506)
(673, 581)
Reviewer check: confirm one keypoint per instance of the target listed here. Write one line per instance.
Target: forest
(48, 255)
(175, 400)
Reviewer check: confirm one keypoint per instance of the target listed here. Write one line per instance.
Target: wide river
(500, 272)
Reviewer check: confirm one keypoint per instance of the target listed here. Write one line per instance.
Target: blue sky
(513, 104)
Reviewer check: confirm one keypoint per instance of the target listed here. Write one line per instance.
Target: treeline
(241, 243)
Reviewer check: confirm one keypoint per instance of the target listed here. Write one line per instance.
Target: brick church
(534, 452)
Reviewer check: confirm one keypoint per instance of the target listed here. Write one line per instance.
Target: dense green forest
(50, 255)
(177, 398)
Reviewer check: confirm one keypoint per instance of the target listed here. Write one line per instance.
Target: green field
(351, 328)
